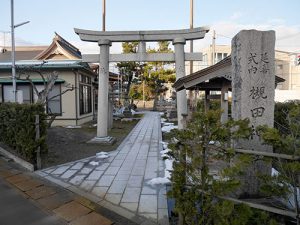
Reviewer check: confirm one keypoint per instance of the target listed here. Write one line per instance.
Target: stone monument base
(103, 140)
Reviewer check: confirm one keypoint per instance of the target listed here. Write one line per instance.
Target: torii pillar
(180, 72)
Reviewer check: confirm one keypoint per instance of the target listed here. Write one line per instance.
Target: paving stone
(92, 219)
(112, 171)
(117, 162)
(100, 191)
(17, 178)
(27, 185)
(150, 174)
(142, 156)
(135, 181)
(77, 166)
(40, 192)
(87, 185)
(153, 154)
(148, 204)
(60, 170)
(152, 216)
(95, 175)
(163, 216)
(120, 156)
(49, 170)
(117, 187)
(140, 162)
(77, 179)
(148, 190)
(71, 211)
(68, 174)
(121, 176)
(131, 195)
(85, 170)
(130, 206)
(8, 173)
(105, 180)
(102, 166)
(56, 200)
(113, 198)
(138, 171)
(162, 202)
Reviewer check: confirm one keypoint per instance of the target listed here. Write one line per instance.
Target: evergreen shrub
(17, 128)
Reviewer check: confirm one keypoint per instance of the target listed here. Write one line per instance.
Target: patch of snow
(167, 129)
(93, 163)
(163, 120)
(158, 180)
(168, 169)
(102, 156)
(162, 113)
(274, 172)
(133, 112)
(101, 153)
(167, 124)
(164, 144)
(72, 127)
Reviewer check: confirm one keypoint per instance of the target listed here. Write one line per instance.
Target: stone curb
(18, 160)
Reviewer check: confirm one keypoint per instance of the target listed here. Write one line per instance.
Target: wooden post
(37, 137)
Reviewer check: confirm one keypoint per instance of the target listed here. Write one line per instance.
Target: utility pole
(214, 48)
(13, 51)
(191, 27)
(103, 14)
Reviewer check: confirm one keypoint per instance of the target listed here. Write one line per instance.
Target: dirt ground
(66, 145)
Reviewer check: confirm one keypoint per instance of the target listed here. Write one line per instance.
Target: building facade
(72, 96)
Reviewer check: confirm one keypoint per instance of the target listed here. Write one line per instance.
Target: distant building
(286, 65)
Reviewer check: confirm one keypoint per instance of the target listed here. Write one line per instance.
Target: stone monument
(253, 90)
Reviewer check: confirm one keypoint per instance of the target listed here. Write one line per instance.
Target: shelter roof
(221, 70)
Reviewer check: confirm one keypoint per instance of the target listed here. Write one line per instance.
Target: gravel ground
(66, 145)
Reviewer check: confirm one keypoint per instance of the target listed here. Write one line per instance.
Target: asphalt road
(17, 210)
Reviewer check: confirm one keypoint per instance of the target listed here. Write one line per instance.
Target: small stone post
(253, 84)
(180, 72)
(37, 137)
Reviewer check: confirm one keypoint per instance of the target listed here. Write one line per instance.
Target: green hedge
(17, 128)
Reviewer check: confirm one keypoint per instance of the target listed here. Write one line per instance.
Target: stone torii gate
(105, 38)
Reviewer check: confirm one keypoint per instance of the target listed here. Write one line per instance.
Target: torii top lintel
(151, 35)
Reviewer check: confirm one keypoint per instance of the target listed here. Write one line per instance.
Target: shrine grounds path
(119, 182)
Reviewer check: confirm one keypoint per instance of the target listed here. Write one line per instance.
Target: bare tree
(48, 80)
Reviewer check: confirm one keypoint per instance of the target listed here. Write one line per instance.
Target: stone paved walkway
(119, 182)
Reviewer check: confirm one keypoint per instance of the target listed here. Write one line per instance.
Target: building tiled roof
(22, 53)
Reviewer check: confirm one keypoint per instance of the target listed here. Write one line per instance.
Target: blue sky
(227, 17)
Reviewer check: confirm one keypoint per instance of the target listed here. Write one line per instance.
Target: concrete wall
(286, 95)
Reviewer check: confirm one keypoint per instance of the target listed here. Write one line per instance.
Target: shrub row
(17, 128)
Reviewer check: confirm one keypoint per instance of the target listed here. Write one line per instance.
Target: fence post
(37, 137)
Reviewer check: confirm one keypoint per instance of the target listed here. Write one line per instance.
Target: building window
(25, 92)
(219, 57)
(54, 100)
(85, 95)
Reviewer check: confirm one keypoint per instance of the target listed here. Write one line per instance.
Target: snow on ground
(93, 163)
(102, 155)
(168, 168)
(72, 127)
(168, 128)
